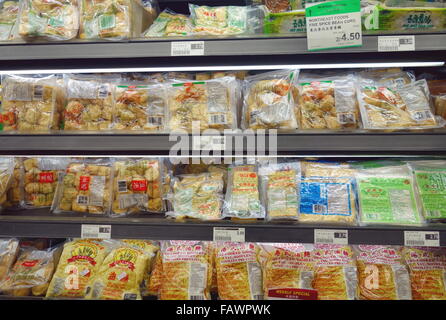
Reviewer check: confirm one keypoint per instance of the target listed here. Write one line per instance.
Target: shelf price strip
(422, 238)
(187, 48)
(229, 234)
(396, 43)
(94, 231)
(331, 236)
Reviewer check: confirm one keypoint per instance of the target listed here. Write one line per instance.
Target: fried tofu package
(427, 270)
(382, 273)
(288, 271)
(280, 189)
(187, 270)
(170, 24)
(41, 176)
(80, 262)
(49, 20)
(14, 195)
(242, 200)
(270, 101)
(6, 177)
(9, 11)
(85, 188)
(239, 274)
(335, 275)
(152, 284)
(9, 249)
(437, 89)
(201, 105)
(137, 186)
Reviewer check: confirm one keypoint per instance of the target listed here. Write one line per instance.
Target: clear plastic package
(437, 89)
(280, 189)
(49, 20)
(270, 100)
(9, 11)
(14, 195)
(382, 273)
(6, 177)
(137, 186)
(170, 24)
(153, 283)
(9, 249)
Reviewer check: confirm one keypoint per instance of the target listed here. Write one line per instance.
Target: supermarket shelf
(40, 223)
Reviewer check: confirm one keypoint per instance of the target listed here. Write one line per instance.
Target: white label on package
(187, 48)
(94, 231)
(396, 43)
(209, 143)
(330, 236)
(333, 24)
(229, 234)
(422, 238)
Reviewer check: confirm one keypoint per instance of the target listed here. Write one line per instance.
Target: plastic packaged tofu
(9, 11)
(289, 22)
(6, 177)
(170, 24)
(9, 249)
(14, 194)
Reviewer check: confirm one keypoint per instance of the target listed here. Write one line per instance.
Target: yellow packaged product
(187, 271)
(9, 249)
(427, 270)
(335, 275)
(239, 275)
(86, 187)
(137, 186)
(14, 194)
(6, 177)
(153, 282)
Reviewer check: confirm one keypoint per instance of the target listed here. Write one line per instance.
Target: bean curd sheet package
(50, 20)
(387, 196)
(225, 20)
(280, 186)
(186, 271)
(170, 24)
(41, 176)
(197, 196)
(382, 273)
(79, 263)
(427, 269)
(137, 186)
(270, 101)
(211, 103)
(6, 177)
(239, 275)
(9, 249)
(9, 11)
(85, 188)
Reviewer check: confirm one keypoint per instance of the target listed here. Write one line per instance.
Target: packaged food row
(285, 100)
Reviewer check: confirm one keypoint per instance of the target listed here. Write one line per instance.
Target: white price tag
(333, 24)
(229, 234)
(209, 143)
(422, 238)
(94, 231)
(330, 236)
(396, 43)
(187, 48)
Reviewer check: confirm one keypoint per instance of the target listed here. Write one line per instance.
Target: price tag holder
(229, 234)
(94, 231)
(330, 236)
(422, 238)
(187, 48)
(217, 143)
(333, 24)
(396, 43)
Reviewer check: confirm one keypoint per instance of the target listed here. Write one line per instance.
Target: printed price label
(229, 234)
(422, 238)
(209, 143)
(333, 24)
(396, 43)
(187, 48)
(94, 231)
(330, 236)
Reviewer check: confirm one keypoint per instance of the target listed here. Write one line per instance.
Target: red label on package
(30, 263)
(139, 185)
(293, 293)
(84, 183)
(46, 177)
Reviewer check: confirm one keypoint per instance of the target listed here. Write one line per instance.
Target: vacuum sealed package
(170, 24)
(89, 104)
(437, 89)
(79, 263)
(288, 271)
(239, 275)
(85, 188)
(335, 272)
(242, 199)
(14, 194)
(31, 273)
(153, 282)
(140, 108)
(187, 270)
(41, 176)
(328, 103)
(386, 196)
(211, 103)
(9, 248)
(382, 273)
(288, 22)
(9, 11)
(198, 196)
(29, 104)
(137, 186)
(269, 101)
(430, 178)
(280, 187)
(427, 270)
(6, 177)
(49, 20)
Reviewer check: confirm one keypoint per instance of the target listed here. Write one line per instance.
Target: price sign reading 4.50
(352, 36)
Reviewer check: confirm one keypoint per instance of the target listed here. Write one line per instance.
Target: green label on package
(387, 200)
(432, 188)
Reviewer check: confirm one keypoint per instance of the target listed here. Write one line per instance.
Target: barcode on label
(218, 119)
(157, 121)
(414, 243)
(38, 93)
(222, 238)
(122, 186)
(324, 240)
(196, 297)
(90, 235)
(187, 48)
(82, 200)
(421, 115)
(346, 118)
(197, 46)
(319, 208)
